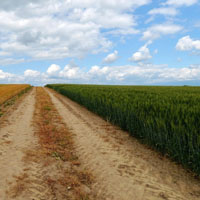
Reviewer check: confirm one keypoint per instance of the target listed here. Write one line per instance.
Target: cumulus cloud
(139, 74)
(186, 43)
(98, 72)
(142, 73)
(181, 2)
(71, 71)
(5, 76)
(31, 73)
(141, 55)
(59, 29)
(163, 11)
(110, 58)
(181, 74)
(158, 30)
(53, 70)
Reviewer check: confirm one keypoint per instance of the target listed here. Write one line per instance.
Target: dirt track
(15, 135)
(123, 169)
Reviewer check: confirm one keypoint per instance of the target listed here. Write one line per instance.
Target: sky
(123, 42)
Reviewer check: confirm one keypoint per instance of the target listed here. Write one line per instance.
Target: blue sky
(137, 42)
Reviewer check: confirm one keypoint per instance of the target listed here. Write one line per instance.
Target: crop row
(166, 118)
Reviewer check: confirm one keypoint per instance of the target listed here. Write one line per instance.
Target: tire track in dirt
(16, 134)
(36, 187)
(124, 169)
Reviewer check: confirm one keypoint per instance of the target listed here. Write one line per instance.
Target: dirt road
(50, 148)
(34, 161)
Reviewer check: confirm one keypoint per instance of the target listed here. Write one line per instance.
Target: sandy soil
(19, 178)
(16, 134)
(124, 169)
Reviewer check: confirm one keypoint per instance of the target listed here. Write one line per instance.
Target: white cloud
(98, 71)
(31, 73)
(113, 4)
(110, 58)
(186, 44)
(142, 73)
(181, 74)
(141, 55)
(107, 18)
(5, 76)
(3, 53)
(163, 11)
(181, 2)
(14, 4)
(38, 40)
(158, 30)
(54, 29)
(53, 70)
(71, 71)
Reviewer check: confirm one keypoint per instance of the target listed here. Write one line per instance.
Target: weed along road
(51, 148)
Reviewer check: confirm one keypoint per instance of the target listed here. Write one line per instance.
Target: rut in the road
(16, 134)
(124, 169)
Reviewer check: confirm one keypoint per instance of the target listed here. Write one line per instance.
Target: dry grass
(9, 91)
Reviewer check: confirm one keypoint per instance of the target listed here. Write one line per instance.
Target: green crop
(166, 118)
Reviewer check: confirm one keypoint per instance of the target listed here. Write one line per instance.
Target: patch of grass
(48, 108)
(57, 155)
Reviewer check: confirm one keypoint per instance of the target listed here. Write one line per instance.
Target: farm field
(53, 148)
(166, 118)
(8, 91)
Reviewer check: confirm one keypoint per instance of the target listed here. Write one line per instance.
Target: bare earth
(16, 134)
(123, 169)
